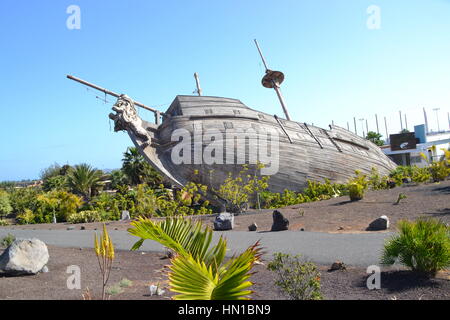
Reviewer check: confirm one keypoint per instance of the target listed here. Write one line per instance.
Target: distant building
(405, 148)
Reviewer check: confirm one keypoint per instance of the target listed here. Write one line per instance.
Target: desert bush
(400, 173)
(190, 200)
(271, 200)
(315, 191)
(356, 191)
(7, 240)
(85, 217)
(376, 181)
(299, 280)
(125, 283)
(62, 204)
(24, 198)
(360, 179)
(114, 289)
(322, 191)
(439, 171)
(5, 204)
(420, 175)
(423, 246)
(26, 217)
(238, 191)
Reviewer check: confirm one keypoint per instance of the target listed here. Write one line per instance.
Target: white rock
(155, 290)
(24, 256)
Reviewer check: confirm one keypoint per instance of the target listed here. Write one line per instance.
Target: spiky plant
(104, 249)
(198, 270)
(423, 246)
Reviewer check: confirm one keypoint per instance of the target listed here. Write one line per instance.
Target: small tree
(138, 170)
(238, 191)
(84, 180)
(375, 138)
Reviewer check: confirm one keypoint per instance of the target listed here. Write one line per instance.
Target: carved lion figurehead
(126, 117)
(125, 108)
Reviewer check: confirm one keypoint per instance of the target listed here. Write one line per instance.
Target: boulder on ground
(338, 265)
(382, 223)
(280, 223)
(253, 227)
(24, 256)
(224, 221)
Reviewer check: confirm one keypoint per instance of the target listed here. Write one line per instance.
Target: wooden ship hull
(298, 152)
(305, 152)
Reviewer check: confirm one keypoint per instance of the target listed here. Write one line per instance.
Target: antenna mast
(273, 79)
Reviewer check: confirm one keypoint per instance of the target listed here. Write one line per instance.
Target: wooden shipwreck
(215, 136)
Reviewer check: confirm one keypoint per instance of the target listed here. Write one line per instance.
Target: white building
(430, 144)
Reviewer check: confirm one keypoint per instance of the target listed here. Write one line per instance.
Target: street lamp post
(437, 117)
(362, 126)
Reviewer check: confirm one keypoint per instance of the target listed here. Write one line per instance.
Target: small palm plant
(198, 270)
(423, 246)
(104, 249)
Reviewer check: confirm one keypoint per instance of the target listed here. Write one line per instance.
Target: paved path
(323, 248)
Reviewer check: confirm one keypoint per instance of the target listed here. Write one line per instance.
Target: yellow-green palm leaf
(195, 280)
(182, 236)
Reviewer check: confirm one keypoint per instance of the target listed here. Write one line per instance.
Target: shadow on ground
(403, 281)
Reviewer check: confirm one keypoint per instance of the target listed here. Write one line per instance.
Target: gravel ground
(148, 268)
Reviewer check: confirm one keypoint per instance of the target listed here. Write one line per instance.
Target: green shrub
(270, 200)
(4, 223)
(55, 183)
(317, 191)
(299, 280)
(376, 181)
(5, 204)
(439, 171)
(25, 198)
(26, 217)
(423, 246)
(7, 240)
(59, 203)
(355, 191)
(400, 173)
(114, 289)
(85, 217)
(420, 175)
(238, 191)
(125, 283)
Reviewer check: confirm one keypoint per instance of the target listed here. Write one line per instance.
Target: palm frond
(182, 236)
(195, 280)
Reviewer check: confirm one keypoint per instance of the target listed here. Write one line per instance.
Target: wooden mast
(111, 93)
(273, 79)
(197, 81)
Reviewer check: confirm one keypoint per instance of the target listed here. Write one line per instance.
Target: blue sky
(336, 68)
